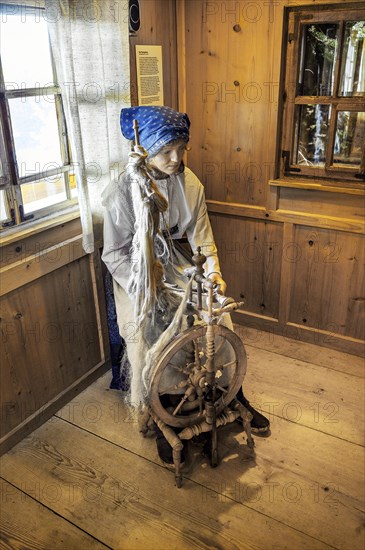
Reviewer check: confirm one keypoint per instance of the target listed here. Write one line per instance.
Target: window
(36, 176)
(324, 98)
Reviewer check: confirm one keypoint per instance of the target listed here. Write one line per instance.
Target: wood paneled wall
(158, 27)
(231, 53)
(295, 253)
(52, 324)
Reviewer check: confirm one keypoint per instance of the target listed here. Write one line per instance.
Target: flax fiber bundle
(150, 252)
(157, 304)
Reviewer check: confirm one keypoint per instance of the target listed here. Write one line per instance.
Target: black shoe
(259, 422)
(164, 448)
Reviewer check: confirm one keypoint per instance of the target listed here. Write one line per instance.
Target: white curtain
(90, 44)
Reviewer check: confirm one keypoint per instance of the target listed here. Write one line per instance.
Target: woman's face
(169, 158)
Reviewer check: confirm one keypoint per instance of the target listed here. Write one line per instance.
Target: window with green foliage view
(324, 97)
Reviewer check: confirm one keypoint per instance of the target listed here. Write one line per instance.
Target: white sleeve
(118, 234)
(200, 233)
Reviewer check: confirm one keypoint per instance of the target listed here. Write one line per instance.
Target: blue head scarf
(158, 126)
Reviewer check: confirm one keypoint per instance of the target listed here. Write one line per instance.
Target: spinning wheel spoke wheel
(186, 356)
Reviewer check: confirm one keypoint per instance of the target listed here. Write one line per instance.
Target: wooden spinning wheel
(189, 409)
(209, 363)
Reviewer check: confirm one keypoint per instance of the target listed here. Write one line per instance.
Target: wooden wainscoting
(300, 281)
(53, 324)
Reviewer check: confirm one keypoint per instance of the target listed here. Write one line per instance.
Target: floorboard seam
(302, 360)
(54, 512)
(314, 429)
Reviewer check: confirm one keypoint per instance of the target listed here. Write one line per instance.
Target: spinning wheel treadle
(191, 409)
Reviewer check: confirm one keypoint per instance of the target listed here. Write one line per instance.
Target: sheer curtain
(90, 44)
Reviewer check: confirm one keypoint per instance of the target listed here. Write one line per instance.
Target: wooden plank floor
(87, 479)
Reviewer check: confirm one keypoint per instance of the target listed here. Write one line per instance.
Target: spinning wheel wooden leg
(176, 455)
(176, 445)
(214, 457)
(211, 420)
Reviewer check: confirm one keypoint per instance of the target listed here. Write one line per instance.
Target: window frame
(11, 182)
(295, 20)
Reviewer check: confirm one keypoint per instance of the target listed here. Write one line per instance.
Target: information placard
(149, 75)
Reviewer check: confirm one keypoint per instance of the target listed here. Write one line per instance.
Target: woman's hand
(217, 279)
